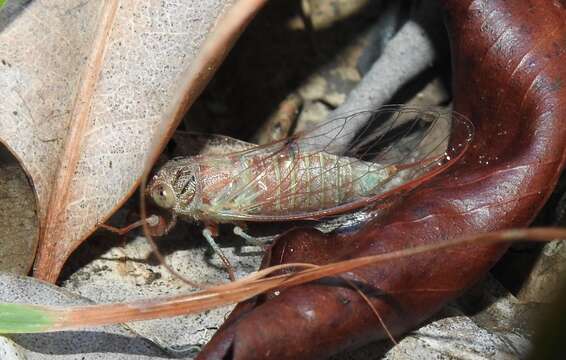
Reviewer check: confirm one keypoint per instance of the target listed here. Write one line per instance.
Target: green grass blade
(20, 318)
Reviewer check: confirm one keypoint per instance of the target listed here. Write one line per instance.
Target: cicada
(335, 168)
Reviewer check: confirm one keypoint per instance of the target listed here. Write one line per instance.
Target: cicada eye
(164, 196)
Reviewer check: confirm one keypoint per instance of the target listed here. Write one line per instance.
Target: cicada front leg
(151, 221)
(209, 231)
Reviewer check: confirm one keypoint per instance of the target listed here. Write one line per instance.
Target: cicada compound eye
(163, 195)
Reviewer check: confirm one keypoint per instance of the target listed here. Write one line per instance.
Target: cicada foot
(207, 233)
(254, 240)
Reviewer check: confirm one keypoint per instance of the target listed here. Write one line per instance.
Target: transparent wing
(345, 163)
(192, 143)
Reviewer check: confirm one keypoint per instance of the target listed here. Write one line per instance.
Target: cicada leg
(207, 233)
(152, 220)
(254, 240)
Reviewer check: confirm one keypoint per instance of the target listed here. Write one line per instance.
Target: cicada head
(174, 187)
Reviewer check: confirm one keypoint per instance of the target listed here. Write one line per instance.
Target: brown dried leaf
(85, 85)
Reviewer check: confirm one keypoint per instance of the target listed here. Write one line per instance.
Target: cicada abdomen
(295, 181)
(344, 164)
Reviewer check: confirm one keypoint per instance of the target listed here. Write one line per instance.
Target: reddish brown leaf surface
(509, 76)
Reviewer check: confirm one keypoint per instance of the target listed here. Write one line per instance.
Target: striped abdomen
(293, 181)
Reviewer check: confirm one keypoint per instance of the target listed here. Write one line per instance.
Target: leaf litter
(144, 276)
